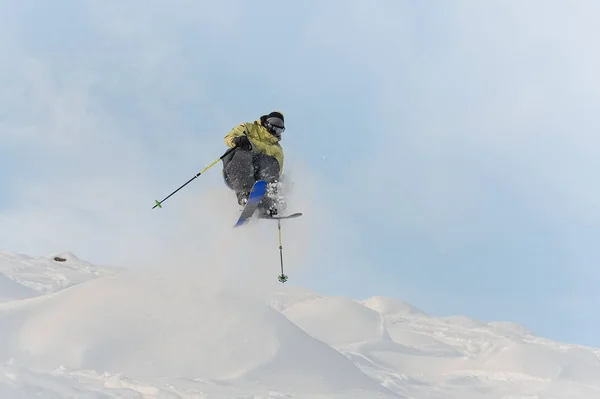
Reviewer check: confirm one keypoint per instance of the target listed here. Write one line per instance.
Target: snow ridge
(72, 329)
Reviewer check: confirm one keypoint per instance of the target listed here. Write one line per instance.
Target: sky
(445, 154)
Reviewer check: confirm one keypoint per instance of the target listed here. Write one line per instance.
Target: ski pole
(282, 278)
(159, 204)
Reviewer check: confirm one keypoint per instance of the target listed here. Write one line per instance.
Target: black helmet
(274, 123)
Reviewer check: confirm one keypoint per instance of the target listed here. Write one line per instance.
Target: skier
(257, 156)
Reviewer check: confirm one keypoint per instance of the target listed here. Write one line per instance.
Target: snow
(45, 275)
(390, 306)
(10, 290)
(354, 322)
(73, 329)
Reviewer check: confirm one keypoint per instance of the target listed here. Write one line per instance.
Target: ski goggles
(275, 125)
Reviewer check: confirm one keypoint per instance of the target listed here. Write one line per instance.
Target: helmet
(274, 123)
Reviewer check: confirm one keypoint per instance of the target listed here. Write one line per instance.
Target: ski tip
(240, 223)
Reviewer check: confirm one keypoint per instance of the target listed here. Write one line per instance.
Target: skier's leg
(267, 168)
(239, 172)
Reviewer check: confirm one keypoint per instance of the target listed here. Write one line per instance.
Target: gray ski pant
(241, 168)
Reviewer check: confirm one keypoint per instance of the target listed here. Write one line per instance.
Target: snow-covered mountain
(70, 329)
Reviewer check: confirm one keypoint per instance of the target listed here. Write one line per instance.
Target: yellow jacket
(262, 141)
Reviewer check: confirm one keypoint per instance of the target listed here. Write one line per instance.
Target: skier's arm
(233, 133)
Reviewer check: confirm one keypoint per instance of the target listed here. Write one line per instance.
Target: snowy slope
(10, 289)
(50, 273)
(71, 329)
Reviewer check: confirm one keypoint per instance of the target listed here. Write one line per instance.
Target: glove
(243, 142)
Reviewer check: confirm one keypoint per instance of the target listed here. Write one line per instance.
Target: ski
(259, 189)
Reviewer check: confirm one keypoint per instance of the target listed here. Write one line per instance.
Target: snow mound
(290, 296)
(507, 327)
(47, 275)
(11, 290)
(337, 321)
(389, 306)
(549, 363)
(187, 332)
(462, 321)
(425, 343)
(153, 325)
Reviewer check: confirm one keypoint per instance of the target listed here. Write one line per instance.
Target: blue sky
(453, 146)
